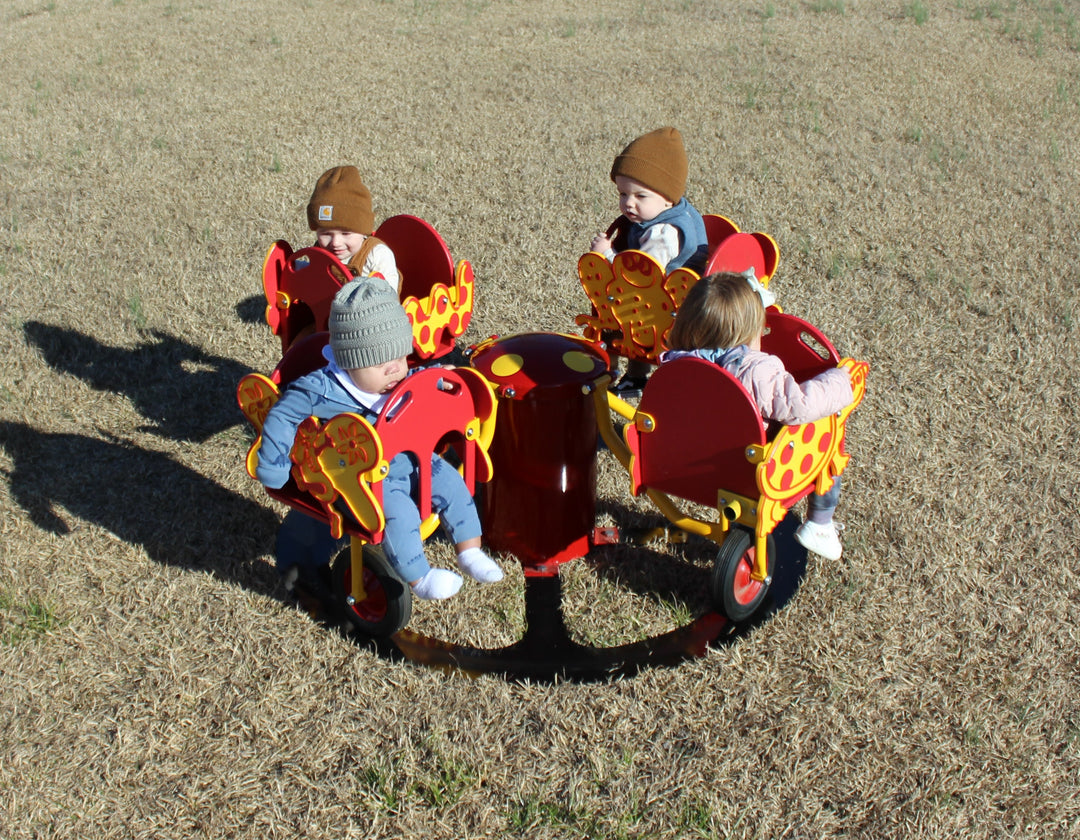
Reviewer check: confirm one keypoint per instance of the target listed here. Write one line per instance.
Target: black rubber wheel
(388, 605)
(733, 590)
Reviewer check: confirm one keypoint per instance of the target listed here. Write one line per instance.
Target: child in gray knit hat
(370, 336)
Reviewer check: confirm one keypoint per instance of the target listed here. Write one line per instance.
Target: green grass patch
(377, 781)
(918, 11)
(533, 812)
(137, 312)
(448, 782)
(23, 620)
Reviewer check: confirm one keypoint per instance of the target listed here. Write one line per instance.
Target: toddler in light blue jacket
(370, 337)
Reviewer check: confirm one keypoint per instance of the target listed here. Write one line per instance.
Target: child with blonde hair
(721, 321)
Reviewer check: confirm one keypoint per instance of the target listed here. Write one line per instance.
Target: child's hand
(444, 384)
(601, 244)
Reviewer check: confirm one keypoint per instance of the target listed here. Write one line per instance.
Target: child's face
(637, 202)
(343, 244)
(379, 379)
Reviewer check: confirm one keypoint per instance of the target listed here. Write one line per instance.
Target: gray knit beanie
(367, 325)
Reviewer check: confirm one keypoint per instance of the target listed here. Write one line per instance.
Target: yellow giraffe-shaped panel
(339, 460)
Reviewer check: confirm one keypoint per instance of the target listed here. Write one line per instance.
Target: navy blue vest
(695, 244)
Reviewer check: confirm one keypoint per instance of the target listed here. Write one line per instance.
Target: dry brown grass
(921, 178)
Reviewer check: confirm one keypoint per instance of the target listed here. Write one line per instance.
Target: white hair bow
(767, 297)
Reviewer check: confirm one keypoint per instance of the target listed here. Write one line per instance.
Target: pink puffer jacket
(777, 395)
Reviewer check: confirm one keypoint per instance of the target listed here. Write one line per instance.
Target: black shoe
(312, 587)
(629, 387)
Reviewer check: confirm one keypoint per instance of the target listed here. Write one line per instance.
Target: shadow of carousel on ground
(188, 395)
(183, 392)
(113, 483)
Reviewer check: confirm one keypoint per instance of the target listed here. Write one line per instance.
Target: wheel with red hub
(387, 606)
(733, 590)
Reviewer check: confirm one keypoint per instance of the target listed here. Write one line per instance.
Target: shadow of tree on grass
(181, 518)
(184, 393)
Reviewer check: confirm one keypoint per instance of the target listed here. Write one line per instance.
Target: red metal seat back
(703, 421)
(803, 348)
(300, 287)
(437, 296)
(301, 359)
(717, 229)
(422, 418)
(740, 251)
(420, 253)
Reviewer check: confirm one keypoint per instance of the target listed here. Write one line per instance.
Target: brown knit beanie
(656, 160)
(341, 200)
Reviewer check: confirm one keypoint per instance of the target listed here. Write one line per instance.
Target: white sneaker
(820, 539)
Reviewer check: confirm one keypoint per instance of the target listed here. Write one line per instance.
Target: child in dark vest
(650, 175)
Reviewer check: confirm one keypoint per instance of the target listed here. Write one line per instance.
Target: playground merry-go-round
(524, 421)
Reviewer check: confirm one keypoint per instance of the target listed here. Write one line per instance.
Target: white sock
(437, 584)
(479, 566)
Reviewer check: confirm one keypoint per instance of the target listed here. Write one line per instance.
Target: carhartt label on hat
(326, 213)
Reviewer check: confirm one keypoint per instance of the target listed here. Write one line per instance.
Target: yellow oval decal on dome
(506, 366)
(576, 360)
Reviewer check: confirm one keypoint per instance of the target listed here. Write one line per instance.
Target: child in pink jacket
(722, 320)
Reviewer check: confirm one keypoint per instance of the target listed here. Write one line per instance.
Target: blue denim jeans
(449, 498)
(305, 541)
